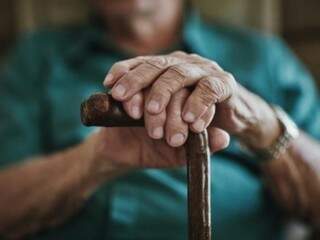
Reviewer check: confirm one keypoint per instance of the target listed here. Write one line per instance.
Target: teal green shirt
(50, 73)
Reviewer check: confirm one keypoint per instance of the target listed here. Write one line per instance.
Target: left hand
(216, 95)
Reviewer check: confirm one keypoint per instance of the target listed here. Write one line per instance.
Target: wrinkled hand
(155, 87)
(132, 148)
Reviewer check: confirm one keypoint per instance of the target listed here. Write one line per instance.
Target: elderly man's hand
(152, 86)
(123, 149)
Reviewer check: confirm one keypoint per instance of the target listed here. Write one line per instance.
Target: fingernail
(108, 79)
(153, 106)
(158, 132)
(119, 91)
(199, 125)
(177, 140)
(136, 113)
(189, 117)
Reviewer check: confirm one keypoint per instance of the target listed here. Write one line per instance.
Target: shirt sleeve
(296, 90)
(20, 118)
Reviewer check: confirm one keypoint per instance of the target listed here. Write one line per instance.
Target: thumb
(218, 139)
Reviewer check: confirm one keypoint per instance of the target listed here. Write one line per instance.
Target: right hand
(129, 148)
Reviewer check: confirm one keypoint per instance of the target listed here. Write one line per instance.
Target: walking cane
(101, 110)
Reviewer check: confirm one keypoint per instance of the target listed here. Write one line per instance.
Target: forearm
(45, 191)
(294, 180)
(294, 177)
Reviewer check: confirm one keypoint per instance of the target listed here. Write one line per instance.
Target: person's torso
(152, 204)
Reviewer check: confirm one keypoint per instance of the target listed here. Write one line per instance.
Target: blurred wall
(261, 14)
(298, 21)
(32, 14)
(301, 29)
(17, 16)
(26, 15)
(7, 24)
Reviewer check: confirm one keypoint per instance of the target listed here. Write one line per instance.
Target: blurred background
(297, 21)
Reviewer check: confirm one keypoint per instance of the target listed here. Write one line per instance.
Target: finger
(172, 80)
(204, 121)
(218, 139)
(119, 69)
(176, 130)
(142, 76)
(209, 90)
(208, 63)
(136, 80)
(154, 124)
(134, 106)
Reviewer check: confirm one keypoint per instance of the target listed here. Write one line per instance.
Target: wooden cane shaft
(199, 212)
(101, 110)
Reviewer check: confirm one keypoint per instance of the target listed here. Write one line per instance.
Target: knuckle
(160, 118)
(210, 91)
(211, 66)
(176, 124)
(162, 88)
(230, 81)
(228, 76)
(200, 60)
(137, 98)
(179, 54)
(135, 78)
(174, 119)
(158, 62)
(196, 58)
(173, 79)
(153, 121)
(142, 58)
(120, 66)
(176, 103)
(214, 65)
(195, 55)
(178, 71)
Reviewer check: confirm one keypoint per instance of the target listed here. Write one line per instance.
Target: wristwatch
(290, 131)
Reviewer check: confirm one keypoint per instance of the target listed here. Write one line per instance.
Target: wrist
(99, 163)
(77, 170)
(266, 132)
(289, 132)
(261, 125)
